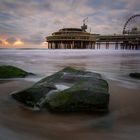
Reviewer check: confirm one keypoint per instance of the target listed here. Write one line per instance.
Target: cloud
(37, 38)
(5, 16)
(1, 42)
(11, 40)
(57, 21)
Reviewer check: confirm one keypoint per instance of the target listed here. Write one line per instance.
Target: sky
(26, 23)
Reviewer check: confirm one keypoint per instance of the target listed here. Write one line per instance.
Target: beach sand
(121, 123)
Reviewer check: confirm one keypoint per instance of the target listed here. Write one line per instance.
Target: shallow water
(122, 122)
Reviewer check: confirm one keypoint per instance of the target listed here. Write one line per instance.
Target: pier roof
(71, 29)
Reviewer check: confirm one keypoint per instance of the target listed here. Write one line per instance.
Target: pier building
(71, 38)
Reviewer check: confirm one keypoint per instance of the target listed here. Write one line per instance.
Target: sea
(112, 64)
(121, 123)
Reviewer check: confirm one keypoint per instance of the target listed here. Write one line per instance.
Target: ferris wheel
(132, 25)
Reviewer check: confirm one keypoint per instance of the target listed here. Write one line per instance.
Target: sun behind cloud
(18, 43)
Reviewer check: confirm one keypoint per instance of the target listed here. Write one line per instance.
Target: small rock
(7, 71)
(135, 75)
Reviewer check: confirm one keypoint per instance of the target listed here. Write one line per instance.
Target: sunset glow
(5, 43)
(18, 43)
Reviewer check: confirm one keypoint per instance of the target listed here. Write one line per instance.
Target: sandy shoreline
(122, 122)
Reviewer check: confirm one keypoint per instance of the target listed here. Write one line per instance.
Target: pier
(79, 38)
(129, 41)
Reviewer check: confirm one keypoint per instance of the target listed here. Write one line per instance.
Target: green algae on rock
(7, 71)
(66, 91)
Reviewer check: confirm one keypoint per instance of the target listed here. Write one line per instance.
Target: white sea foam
(61, 87)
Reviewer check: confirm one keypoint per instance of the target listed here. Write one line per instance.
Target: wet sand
(121, 123)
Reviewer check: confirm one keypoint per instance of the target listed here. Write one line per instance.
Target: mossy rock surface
(7, 71)
(67, 90)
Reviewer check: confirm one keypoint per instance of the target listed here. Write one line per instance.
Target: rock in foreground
(135, 75)
(7, 71)
(67, 90)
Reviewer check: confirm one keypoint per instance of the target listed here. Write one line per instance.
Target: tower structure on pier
(71, 38)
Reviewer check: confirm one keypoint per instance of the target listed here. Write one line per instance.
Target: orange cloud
(5, 43)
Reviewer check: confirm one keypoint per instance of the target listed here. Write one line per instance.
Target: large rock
(67, 90)
(7, 71)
